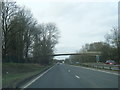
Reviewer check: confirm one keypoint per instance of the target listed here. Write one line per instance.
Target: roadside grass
(99, 66)
(13, 73)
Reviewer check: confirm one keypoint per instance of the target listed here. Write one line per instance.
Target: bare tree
(45, 42)
(9, 10)
(114, 41)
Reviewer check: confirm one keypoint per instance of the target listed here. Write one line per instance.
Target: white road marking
(37, 78)
(68, 70)
(77, 76)
(97, 70)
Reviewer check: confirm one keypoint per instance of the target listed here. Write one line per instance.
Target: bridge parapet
(84, 53)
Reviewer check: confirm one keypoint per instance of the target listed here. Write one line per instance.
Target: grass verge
(96, 66)
(14, 73)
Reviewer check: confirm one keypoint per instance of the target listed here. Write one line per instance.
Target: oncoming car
(111, 62)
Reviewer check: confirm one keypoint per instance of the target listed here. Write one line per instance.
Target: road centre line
(37, 78)
(68, 70)
(77, 76)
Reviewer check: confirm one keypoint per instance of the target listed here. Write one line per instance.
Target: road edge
(97, 70)
(35, 78)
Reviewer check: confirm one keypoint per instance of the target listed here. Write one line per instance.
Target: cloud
(78, 22)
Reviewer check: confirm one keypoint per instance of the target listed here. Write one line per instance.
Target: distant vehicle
(61, 63)
(58, 63)
(111, 62)
(77, 62)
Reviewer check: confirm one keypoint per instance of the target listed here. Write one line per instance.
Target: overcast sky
(78, 22)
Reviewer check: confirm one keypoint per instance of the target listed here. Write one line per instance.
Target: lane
(57, 77)
(96, 79)
(67, 76)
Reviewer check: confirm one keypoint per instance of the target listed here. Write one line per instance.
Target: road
(68, 76)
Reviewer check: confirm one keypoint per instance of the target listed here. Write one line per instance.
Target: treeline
(110, 49)
(24, 40)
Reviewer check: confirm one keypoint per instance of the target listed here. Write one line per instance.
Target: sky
(78, 21)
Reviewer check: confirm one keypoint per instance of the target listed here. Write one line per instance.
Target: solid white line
(97, 70)
(77, 76)
(101, 71)
(37, 78)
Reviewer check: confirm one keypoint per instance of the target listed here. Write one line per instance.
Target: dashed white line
(36, 78)
(77, 76)
(68, 70)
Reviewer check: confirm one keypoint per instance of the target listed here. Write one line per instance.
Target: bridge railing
(82, 53)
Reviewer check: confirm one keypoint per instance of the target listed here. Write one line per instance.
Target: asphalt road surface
(67, 76)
